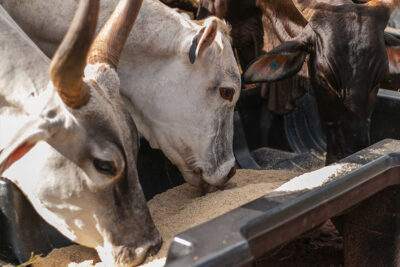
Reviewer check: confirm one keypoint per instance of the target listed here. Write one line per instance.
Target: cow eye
(105, 167)
(227, 93)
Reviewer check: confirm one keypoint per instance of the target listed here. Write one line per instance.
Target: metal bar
(242, 235)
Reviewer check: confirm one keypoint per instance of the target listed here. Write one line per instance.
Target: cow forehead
(350, 51)
(350, 34)
(337, 16)
(230, 67)
(105, 118)
(113, 124)
(106, 105)
(231, 78)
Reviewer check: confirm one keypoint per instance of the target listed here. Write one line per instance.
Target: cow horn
(305, 7)
(391, 4)
(108, 44)
(69, 61)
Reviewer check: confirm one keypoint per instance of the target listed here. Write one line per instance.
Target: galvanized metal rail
(246, 233)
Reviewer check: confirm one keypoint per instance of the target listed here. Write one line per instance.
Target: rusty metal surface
(240, 236)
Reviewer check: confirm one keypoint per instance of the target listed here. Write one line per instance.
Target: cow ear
(25, 139)
(281, 62)
(204, 38)
(392, 80)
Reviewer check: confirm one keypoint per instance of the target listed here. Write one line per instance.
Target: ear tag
(274, 65)
(192, 51)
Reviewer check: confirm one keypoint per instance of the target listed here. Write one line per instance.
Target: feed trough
(244, 234)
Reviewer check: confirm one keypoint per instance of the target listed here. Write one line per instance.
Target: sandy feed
(72, 256)
(181, 208)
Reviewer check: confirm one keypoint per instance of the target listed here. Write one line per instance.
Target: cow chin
(197, 180)
(194, 178)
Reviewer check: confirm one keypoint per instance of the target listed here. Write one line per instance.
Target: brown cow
(350, 57)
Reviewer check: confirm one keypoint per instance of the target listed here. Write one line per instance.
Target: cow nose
(153, 250)
(123, 256)
(143, 252)
(231, 173)
(198, 171)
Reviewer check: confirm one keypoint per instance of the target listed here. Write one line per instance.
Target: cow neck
(159, 30)
(23, 72)
(18, 54)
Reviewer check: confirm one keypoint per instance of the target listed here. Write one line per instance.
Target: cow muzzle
(196, 178)
(222, 174)
(122, 256)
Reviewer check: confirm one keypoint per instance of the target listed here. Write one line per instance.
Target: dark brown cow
(350, 57)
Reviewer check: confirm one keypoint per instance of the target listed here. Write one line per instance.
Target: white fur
(176, 105)
(58, 175)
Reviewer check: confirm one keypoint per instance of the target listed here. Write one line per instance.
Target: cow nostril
(231, 173)
(198, 171)
(153, 250)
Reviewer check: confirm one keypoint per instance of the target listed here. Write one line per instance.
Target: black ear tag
(192, 51)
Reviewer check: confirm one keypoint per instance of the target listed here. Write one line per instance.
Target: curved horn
(305, 7)
(391, 4)
(68, 64)
(108, 44)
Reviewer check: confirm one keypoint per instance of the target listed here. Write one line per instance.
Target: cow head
(348, 61)
(191, 119)
(75, 159)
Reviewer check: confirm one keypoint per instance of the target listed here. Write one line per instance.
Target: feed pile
(181, 208)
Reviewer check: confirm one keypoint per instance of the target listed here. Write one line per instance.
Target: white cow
(184, 109)
(80, 172)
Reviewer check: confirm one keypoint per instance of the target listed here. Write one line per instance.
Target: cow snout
(220, 174)
(198, 171)
(147, 250)
(123, 256)
(153, 250)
